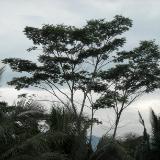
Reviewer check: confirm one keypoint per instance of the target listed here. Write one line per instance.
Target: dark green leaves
(110, 99)
(65, 51)
(100, 30)
(20, 65)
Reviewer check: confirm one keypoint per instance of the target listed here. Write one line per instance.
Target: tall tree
(87, 60)
(137, 72)
(71, 57)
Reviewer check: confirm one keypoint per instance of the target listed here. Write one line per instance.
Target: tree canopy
(89, 59)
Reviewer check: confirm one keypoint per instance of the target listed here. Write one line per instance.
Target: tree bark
(91, 132)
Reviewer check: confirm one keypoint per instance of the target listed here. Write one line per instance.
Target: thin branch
(58, 89)
(53, 93)
(133, 99)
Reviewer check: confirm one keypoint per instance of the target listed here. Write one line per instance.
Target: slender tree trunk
(79, 118)
(118, 115)
(91, 131)
(85, 96)
(116, 126)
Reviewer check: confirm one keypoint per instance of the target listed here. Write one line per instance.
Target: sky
(15, 15)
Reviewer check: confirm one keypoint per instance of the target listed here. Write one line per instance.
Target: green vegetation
(87, 61)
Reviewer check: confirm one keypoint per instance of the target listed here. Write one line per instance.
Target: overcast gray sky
(16, 14)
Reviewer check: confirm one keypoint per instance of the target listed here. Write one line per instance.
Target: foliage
(130, 142)
(111, 151)
(18, 123)
(155, 140)
(71, 57)
(149, 149)
(104, 140)
(85, 60)
(21, 137)
(138, 73)
(89, 59)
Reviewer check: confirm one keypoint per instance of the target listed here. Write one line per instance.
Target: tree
(137, 72)
(110, 150)
(21, 139)
(149, 149)
(88, 60)
(18, 123)
(130, 142)
(71, 58)
(155, 137)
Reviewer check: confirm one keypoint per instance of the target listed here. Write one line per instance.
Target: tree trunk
(91, 132)
(116, 126)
